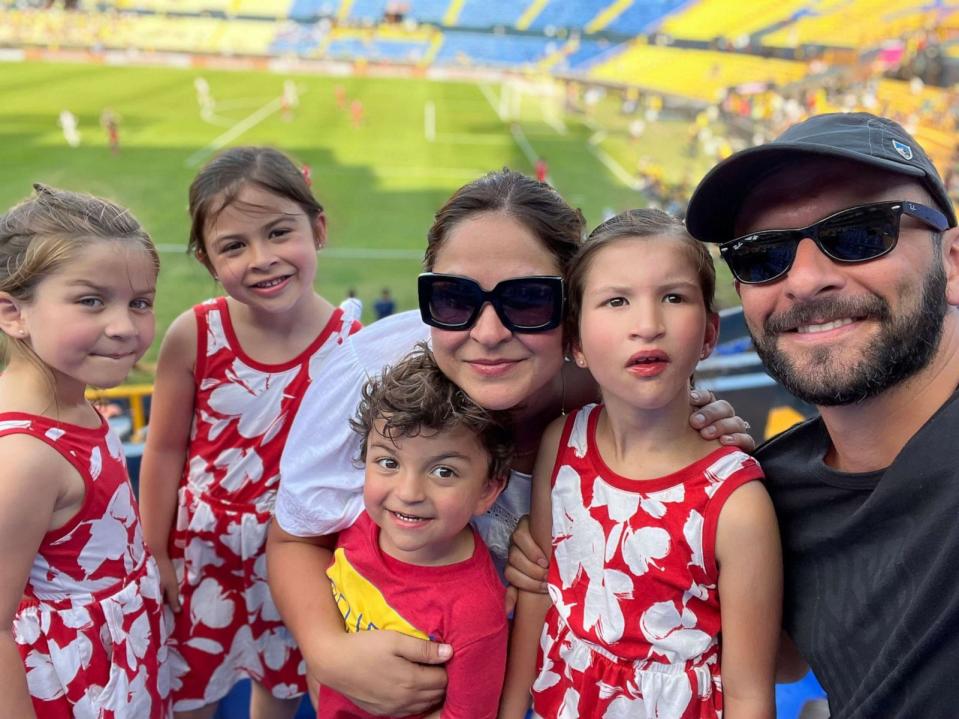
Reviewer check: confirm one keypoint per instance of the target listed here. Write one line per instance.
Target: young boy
(412, 562)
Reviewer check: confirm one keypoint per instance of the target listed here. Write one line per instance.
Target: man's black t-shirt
(872, 569)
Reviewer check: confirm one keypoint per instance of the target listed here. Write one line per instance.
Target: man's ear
(950, 261)
(491, 491)
(12, 321)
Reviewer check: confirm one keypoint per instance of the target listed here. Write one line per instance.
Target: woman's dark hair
(220, 181)
(535, 205)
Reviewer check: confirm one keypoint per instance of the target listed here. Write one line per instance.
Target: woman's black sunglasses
(857, 234)
(523, 304)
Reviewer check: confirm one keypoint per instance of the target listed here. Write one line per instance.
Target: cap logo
(903, 149)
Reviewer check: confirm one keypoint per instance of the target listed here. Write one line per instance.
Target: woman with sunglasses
(492, 304)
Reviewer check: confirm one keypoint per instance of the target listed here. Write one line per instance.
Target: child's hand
(168, 581)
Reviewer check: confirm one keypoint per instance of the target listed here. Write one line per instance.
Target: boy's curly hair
(414, 396)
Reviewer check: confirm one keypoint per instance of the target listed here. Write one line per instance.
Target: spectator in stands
(384, 306)
(856, 314)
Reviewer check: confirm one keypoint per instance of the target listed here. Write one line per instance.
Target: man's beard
(904, 346)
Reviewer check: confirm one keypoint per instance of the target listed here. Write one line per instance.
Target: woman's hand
(388, 674)
(716, 419)
(526, 564)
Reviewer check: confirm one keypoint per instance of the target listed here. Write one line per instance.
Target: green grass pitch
(380, 182)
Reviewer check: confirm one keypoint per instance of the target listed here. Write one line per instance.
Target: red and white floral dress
(633, 629)
(228, 627)
(90, 627)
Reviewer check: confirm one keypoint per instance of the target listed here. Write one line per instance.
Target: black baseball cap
(857, 136)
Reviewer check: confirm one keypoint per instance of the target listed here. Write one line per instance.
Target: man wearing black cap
(845, 250)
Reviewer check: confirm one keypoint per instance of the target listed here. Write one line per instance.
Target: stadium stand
(595, 41)
(436, 12)
(471, 48)
(489, 13)
(364, 11)
(584, 53)
(856, 23)
(311, 9)
(698, 74)
(710, 19)
(638, 17)
(559, 14)
(298, 39)
(383, 44)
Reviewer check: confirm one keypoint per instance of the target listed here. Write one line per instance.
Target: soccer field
(380, 182)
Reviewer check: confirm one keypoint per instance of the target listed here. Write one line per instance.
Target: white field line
(558, 125)
(429, 121)
(339, 253)
(613, 166)
(492, 100)
(552, 118)
(593, 145)
(518, 135)
(215, 120)
(234, 132)
(239, 103)
(523, 143)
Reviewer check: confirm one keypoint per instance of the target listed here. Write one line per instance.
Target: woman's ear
(12, 322)
(711, 338)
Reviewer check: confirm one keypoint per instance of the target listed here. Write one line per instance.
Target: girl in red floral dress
(82, 632)
(230, 376)
(665, 579)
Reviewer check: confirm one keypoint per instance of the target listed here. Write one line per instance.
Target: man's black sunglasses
(523, 304)
(857, 234)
